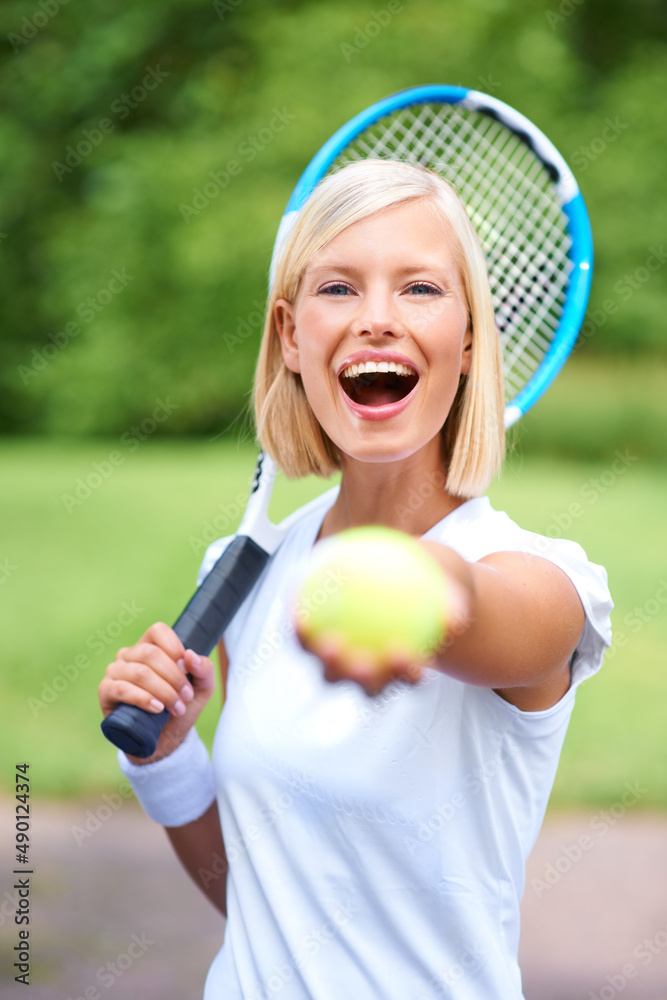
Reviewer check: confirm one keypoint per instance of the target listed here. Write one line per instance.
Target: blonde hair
(473, 434)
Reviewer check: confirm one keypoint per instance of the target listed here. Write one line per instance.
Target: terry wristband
(177, 789)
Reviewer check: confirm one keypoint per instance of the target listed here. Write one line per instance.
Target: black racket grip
(200, 627)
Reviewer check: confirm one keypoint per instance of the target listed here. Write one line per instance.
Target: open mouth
(378, 383)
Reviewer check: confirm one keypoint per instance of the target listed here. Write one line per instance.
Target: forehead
(408, 234)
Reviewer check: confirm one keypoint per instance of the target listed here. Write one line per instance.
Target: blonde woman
(366, 829)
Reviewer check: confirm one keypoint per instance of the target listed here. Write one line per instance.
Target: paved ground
(114, 917)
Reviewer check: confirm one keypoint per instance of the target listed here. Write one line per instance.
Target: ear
(283, 315)
(466, 352)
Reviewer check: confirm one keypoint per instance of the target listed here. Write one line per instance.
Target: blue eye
(423, 288)
(336, 288)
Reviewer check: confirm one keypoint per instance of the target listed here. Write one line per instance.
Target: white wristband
(177, 789)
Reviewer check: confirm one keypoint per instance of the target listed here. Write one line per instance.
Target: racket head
(523, 201)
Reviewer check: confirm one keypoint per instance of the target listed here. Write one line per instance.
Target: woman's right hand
(151, 675)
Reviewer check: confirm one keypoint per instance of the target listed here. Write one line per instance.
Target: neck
(408, 495)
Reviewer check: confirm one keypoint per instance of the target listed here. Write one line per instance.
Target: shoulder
(479, 532)
(476, 530)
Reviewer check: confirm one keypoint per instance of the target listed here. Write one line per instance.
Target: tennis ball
(376, 592)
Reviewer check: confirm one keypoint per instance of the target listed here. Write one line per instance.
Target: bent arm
(199, 845)
(518, 622)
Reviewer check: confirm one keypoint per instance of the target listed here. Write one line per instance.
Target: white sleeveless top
(377, 846)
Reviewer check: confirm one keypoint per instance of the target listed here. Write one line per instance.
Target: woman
(376, 845)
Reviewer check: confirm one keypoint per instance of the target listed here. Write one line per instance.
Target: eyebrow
(404, 272)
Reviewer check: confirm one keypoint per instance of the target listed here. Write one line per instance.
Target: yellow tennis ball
(375, 591)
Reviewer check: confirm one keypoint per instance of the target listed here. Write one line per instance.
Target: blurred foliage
(599, 405)
(122, 287)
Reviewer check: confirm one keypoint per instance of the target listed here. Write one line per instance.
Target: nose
(378, 315)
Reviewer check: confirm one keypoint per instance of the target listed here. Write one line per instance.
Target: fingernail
(156, 705)
(179, 708)
(187, 694)
(196, 659)
(181, 663)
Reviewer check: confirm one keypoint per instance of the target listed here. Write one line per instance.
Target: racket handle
(134, 730)
(200, 627)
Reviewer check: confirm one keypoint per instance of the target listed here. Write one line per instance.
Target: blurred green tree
(147, 154)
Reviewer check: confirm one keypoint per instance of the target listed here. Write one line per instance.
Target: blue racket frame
(580, 253)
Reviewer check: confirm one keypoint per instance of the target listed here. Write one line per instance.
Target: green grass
(137, 542)
(600, 403)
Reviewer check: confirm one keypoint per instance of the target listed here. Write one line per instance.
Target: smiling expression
(379, 333)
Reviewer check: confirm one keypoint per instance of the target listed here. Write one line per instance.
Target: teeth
(369, 367)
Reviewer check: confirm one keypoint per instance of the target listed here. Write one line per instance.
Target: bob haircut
(473, 435)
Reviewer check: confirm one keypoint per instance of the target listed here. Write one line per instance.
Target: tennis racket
(533, 226)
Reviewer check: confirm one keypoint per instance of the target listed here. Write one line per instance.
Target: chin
(374, 452)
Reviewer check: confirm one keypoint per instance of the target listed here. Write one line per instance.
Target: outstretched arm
(515, 620)
(519, 623)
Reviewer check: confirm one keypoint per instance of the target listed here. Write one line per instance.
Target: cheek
(315, 343)
(314, 370)
(445, 350)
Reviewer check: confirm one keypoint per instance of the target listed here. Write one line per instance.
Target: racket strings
(513, 206)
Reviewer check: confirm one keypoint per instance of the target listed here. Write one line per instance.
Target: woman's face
(379, 334)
